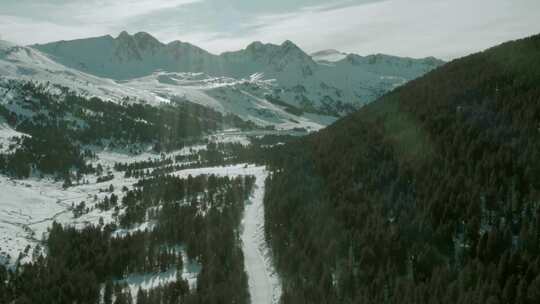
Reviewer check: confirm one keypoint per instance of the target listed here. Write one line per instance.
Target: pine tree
(108, 292)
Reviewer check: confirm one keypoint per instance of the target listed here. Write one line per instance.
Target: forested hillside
(62, 127)
(196, 215)
(429, 195)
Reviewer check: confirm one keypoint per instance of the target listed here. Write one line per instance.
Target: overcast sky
(416, 28)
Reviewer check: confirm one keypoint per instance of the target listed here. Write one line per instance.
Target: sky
(445, 29)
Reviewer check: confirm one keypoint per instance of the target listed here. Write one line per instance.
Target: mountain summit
(334, 86)
(126, 56)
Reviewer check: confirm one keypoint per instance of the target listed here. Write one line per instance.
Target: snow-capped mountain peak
(328, 82)
(288, 45)
(126, 48)
(258, 49)
(124, 35)
(255, 46)
(146, 41)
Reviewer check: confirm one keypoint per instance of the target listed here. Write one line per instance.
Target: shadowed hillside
(428, 195)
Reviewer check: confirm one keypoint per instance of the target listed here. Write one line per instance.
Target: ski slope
(263, 282)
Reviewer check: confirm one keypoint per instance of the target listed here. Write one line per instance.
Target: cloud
(416, 28)
(118, 11)
(30, 21)
(64, 11)
(27, 30)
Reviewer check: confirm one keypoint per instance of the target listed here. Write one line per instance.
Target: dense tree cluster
(48, 151)
(429, 195)
(214, 154)
(79, 261)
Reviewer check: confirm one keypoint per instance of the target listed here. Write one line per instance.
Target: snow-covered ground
(29, 207)
(243, 97)
(148, 281)
(264, 284)
(6, 134)
(230, 136)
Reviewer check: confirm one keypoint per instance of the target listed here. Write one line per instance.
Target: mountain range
(269, 84)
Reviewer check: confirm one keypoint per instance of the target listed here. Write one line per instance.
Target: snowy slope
(271, 85)
(300, 79)
(243, 97)
(6, 135)
(25, 63)
(225, 94)
(127, 56)
(263, 281)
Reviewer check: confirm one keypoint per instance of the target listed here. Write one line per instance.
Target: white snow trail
(264, 286)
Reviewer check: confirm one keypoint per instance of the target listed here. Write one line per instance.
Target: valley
(137, 171)
(209, 115)
(31, 206)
